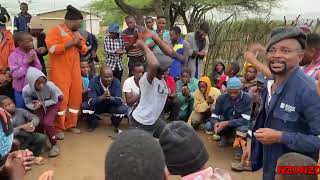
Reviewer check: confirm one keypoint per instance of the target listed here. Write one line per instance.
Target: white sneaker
(54, 151)
(60, 135)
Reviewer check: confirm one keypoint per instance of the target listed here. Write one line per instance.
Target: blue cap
(234, 83)
(114, 28)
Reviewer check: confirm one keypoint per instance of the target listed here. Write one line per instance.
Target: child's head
(219, 67)
(183, 149)
(250, 73)
(292, 160)
(84, 65)
(7, 104)
(232, 69)
(138, 70)
(186, 76)
(204, 85)
(40, 83)
(23, 40)
(135, 155)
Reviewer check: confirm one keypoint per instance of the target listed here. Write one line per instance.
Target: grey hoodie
(47, 96)
(22, 116)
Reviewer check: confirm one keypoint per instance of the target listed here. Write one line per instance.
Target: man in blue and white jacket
(290, 117)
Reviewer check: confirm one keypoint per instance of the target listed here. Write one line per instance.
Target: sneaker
(216, 137)
(90, 129)
(240, 167)
(54, 151)
(60, 135)
(209, 132)
(75, 130)
(237, 156)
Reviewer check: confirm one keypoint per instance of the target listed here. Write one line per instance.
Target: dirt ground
(82, 156)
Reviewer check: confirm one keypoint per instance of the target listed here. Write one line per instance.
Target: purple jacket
(18, 66)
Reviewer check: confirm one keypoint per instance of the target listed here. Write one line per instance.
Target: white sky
(288, 7)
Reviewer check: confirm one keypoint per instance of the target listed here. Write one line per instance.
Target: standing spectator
(24, 124)
(65, 45)
(250, 75)
(217, 75)
(172, 104)
(162, 33)
(114, 48)
(181, 52)
(129, 36)
(105, 96)
(39, 41)
(311, 59)
(186, 88)
(149, 23)
(289, 119)
(91, 55)
(152, 87)
(135, 155)
(22, 21)
(6, 40)
(23, 57)
(44, 98)
(204, 102)
(131, 87)
(199, 44)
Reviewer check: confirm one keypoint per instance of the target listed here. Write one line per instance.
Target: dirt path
(82, 156)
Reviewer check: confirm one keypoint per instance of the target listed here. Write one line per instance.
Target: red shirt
(171, 84)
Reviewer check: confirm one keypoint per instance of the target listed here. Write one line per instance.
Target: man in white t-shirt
(131, 86)
(153, 89)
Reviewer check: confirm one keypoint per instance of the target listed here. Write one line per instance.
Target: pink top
(208, 174)
(18, 67)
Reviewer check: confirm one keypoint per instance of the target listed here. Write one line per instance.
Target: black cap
(73, 13)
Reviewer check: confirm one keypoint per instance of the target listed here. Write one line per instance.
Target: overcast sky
(288, 7)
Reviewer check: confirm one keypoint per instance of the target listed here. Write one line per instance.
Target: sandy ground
(82, 156)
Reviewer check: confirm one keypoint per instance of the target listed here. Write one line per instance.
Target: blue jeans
(19, 100)
(209, 126)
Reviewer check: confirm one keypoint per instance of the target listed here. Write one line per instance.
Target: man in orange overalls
(65, 45)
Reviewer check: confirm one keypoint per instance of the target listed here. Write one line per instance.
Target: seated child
(24, 124)
(84, 66)
(23, 57)
(6, 84)
(186, 155)
(105, 96)
(204, 101)
(44, 98)
(186, 88)
(172, 104)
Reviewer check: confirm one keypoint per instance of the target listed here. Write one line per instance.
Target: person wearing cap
(114, 48)
(232, 114)
(39, 40)
(289, 118)
(22, 21)
(204, 101)
(65, 45)
(6, 42)
(186, 154)
(153, 87)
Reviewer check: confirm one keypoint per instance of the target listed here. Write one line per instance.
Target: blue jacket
(96, 90)
(22, 23)
(295, 110)
(176, 66)
(237, 114)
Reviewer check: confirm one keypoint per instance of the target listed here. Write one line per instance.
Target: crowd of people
(269, 112)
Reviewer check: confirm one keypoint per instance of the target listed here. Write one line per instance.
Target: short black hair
(205, 27)
(19, 37)
(176, 29)
(313, 40)
(135, 155)
(235, 67)
(161, 17)
(137, 64)
(186, 70)
(294, 159)
(149, 17)
(2, 98)
(23, 3)
(130, 17)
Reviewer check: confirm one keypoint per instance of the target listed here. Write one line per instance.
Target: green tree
(191, 11)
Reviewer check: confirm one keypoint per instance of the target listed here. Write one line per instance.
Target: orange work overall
(6, 48)
(64, 71)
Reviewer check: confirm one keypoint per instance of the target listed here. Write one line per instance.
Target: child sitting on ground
(44, 98)
(6, 84)
(23, 57)
(295, 160)
(24, 124)
(84, 66)
(178, 137)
